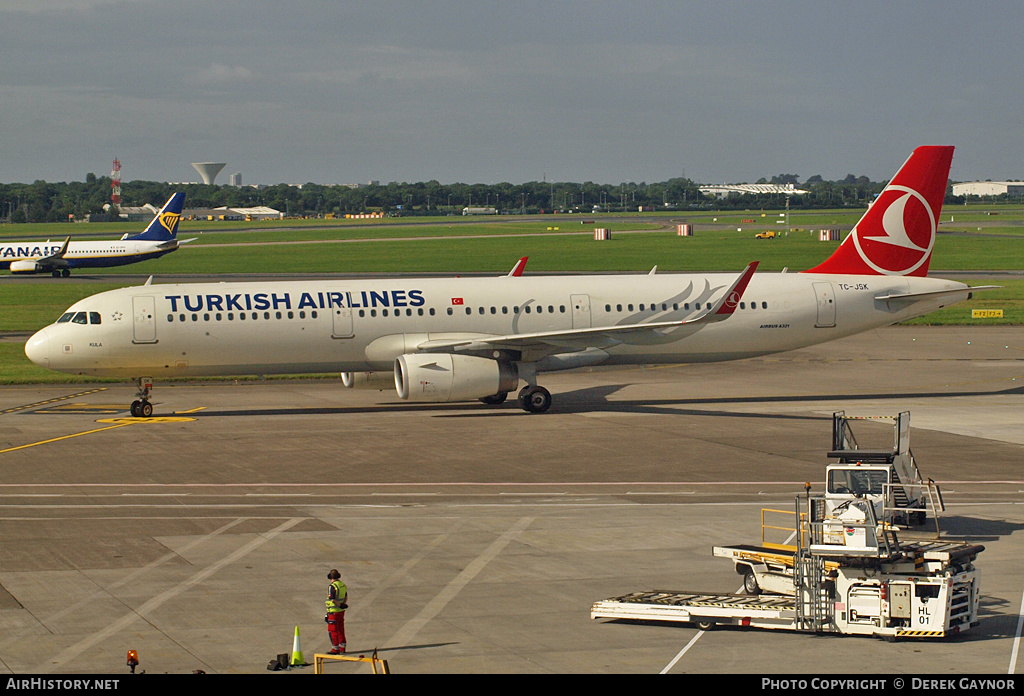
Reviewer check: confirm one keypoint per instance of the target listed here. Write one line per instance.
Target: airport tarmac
(474, 539)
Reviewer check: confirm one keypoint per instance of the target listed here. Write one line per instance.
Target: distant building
(723, 190)
(989, 188)
(261, 212)
(235, 179)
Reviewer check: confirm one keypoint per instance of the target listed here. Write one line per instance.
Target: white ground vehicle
(847, 573)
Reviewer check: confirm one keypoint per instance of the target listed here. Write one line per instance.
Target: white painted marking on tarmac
(1016, 638)
(682, 652)
(446, 595)
(156, 602)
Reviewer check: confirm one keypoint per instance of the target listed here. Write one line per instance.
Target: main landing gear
(141, 408)
(61, 274)
(534, 399)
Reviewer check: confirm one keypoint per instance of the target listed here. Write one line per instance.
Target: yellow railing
(379, 666)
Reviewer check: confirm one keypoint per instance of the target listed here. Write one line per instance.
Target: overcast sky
(482, 91)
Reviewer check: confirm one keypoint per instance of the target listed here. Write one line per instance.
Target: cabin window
(195, 317)
(449, 311)
(217, 316)
(764, 305)
(94, 318)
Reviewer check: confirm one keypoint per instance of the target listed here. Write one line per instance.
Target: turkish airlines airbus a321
(456, 339)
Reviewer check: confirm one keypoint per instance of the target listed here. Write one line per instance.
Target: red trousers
(336, 628)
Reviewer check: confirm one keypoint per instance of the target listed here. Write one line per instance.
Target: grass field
(493, 246)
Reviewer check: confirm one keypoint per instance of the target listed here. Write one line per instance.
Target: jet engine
(445, 377)
(368, 380)
(24, 267)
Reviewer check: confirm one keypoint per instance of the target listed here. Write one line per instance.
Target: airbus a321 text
(159, 238)
(456, 339)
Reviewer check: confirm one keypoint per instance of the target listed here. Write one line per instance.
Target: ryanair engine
(445, 377)
(25, 267)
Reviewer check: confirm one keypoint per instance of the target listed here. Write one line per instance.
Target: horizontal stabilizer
(913, 296)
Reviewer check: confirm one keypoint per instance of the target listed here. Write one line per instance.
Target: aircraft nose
(38, 348)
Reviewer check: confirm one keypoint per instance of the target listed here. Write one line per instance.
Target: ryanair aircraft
(159, 238)
(441, 340)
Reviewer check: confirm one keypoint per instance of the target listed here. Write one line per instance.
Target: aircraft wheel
(55, 274)
(146, 410)
(65, 273)
(705, 624)
(136, 408)
(534, 399)
(495, 399)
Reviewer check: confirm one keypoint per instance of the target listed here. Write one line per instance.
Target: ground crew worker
(337, 603)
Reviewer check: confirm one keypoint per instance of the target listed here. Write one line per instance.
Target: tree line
(43, 201)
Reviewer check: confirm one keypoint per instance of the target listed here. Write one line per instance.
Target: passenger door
(144, 319)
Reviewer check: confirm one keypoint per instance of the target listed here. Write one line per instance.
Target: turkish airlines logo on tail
(907, 234)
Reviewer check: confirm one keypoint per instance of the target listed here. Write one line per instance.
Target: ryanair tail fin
(897, 233)
(164, 226)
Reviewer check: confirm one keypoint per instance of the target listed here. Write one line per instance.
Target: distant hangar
(989, 188)
(723, 190)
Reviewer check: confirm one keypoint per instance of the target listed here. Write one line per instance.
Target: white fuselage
(93, 254)
(341, 325)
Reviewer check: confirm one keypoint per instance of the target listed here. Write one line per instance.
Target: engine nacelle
(379, 381)
(24, 267)
(445, 377)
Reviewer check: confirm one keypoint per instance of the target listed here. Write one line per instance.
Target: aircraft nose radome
(38, 348)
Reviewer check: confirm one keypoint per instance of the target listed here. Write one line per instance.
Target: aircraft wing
(547, 342)
(55, 260)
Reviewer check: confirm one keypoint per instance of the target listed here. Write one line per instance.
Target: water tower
(208, 170)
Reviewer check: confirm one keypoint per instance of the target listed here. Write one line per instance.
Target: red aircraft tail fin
(897, 233)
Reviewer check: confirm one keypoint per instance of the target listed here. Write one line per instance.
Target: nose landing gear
(141, 408)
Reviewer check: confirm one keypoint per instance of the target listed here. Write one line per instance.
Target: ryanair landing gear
(534, 399)
(141, 408)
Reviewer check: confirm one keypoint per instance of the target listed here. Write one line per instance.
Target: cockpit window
(66, 317)
(94, 318)
(80, 318)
